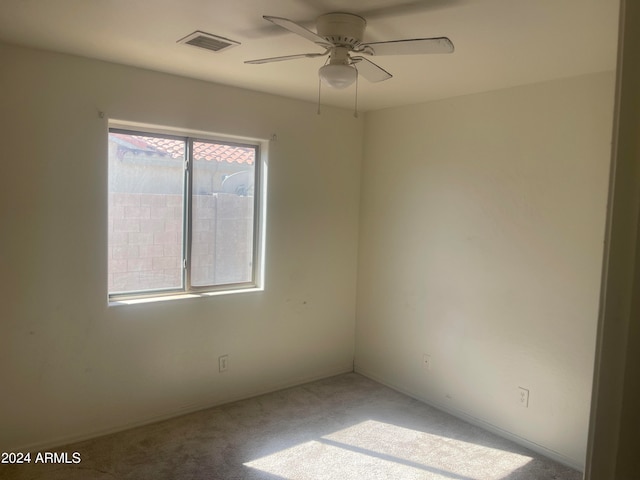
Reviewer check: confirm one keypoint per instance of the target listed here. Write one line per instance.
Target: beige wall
(72, 367)
(482, 226)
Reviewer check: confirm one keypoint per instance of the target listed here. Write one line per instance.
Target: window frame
(187, 290)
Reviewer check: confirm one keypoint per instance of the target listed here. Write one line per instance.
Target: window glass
(181, 214)
(222, 216)
(146, 207)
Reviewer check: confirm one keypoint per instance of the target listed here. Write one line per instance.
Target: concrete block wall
(145, 240)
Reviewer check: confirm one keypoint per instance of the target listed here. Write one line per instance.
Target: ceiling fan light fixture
(338, 75)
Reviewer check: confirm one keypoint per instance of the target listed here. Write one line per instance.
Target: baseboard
(69, 439)
(552, 454)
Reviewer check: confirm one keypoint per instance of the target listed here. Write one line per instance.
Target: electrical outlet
(523, 397)
(426, 361)
(223, 363)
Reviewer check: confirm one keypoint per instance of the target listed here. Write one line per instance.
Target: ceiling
(499, 43)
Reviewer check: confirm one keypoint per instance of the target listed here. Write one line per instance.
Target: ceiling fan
(341, 34)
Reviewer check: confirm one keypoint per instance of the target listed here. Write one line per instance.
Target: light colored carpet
(341, 428)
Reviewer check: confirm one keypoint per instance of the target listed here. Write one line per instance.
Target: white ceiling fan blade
(414, 46)
(286, 57)
(299, 30)
(369, 70)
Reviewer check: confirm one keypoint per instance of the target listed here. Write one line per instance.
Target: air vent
(208, 41)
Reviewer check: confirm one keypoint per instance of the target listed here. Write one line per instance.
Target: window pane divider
(188, 211)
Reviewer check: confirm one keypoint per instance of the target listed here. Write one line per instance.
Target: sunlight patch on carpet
(378, 450)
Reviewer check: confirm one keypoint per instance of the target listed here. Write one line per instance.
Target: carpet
(345, 427)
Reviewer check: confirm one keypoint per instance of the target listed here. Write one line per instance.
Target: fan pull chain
(355, 111)
(319, 88)
(320, 84)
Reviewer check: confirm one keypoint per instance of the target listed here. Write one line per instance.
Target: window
(184, 214)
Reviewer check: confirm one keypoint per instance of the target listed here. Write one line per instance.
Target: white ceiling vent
(208, 41)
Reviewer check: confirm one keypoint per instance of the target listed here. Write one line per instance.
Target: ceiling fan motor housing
(341, 29)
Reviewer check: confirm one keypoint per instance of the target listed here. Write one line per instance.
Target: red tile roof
(174, 148)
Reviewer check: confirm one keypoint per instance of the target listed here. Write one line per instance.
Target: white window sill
(178, 296)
